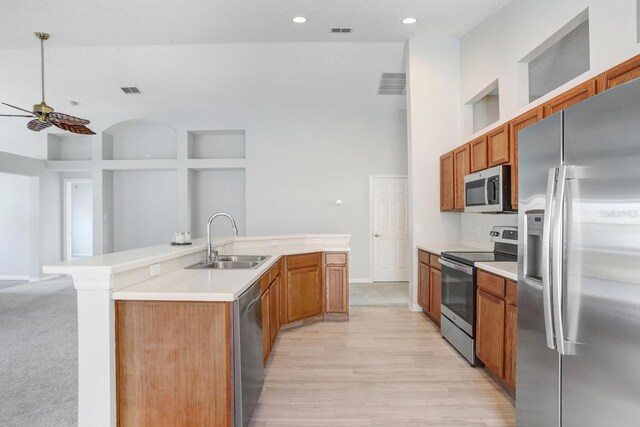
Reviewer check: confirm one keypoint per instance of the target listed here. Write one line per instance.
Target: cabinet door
(435, 290)
(570, 97)
(266, 334)
(423, 286)
(478, 154)
(462, 167)
(304, 290)
(511, 332)
(337, 299)
(446, 182)
(620, 74)
(498, 146)
(516, 125)
(274, 310)
(490, 332)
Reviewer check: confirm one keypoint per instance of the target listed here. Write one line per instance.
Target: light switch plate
(154, 269)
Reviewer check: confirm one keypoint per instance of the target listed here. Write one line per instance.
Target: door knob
(377, 235)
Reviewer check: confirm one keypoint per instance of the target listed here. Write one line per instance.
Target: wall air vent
(341, 30)
(132, 90)
(392, 84)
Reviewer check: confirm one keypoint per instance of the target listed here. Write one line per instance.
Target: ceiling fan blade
(37, 125)
(74, 128)
(17, 108)
(15, 115)
(71, 120)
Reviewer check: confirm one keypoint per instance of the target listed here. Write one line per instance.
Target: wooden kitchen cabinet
(511, 335)
(462, 167)
(478, 154)
(490, 332)
(619, 74)
(521, 122)
(429, 285)
(266, 329)
(304, 286)
(336, 274)
(274, 311)
(571, 97)
(447, 182)
(498, 146)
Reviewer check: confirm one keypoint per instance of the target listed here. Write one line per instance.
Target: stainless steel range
(458, 322)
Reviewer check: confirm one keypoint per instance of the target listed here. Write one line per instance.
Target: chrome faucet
(211, 254)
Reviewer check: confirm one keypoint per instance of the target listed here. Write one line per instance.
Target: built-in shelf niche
(216, 144)
(559, 59)
(139, 208)
(69, 147)
(139, 140)
(485, 107)
(217, 190)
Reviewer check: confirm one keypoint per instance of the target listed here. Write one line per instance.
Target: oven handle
(456, 266)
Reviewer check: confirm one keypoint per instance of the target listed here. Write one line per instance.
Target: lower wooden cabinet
(266, 334)
(490, 332)
(497, 326)
(336, 277)
(274, 310)
(304, 286)
(429, 285)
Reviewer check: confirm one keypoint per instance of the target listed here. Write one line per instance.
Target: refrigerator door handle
(546, 253)
(556, 258)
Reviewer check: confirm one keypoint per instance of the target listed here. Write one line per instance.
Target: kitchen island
(117, 294)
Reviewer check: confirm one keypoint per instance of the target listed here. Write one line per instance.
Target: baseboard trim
(15, 278)
(415, 307)
(360, 281)
(45, 277)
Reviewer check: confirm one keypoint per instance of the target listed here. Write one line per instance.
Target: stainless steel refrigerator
(578, 354)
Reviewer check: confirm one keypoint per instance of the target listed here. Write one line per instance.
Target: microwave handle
(486, 191)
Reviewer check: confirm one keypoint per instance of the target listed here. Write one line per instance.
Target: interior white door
(390, 230)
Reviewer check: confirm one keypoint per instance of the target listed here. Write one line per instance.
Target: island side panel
(174, 363)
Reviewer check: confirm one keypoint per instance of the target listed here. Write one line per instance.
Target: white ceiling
(162, 22)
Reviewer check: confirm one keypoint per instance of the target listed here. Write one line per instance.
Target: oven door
(458, 295)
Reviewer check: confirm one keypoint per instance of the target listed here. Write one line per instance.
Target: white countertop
(439, 247)
(508, 269)
(210, 284)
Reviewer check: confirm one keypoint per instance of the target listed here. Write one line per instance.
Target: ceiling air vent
(131, 90)
(392, 84)
(341, 30)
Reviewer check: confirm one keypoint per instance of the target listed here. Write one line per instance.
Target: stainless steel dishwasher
(248, 367)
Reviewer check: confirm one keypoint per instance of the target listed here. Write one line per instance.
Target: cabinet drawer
(512, 293)
(434, 261)
(423, 257)
(493, 284)
(275, 271)
(306, 260)
(265, 281)
(336, 258)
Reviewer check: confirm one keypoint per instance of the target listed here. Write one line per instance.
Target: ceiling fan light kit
(44, 115)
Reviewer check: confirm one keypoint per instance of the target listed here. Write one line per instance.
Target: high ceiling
(165, 22)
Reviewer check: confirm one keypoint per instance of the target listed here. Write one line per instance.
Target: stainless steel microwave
(488, 191)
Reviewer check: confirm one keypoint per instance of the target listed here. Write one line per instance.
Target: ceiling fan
(44, 116)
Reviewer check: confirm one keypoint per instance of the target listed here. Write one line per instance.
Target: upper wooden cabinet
(620, 74)
(304, 286)
(478, 154)
(447, 182)
(570, 97)
(516, 125)
(498, 146)
(462, 167)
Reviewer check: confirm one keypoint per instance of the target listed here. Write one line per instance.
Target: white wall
(14, 226)
(82, 219)
(493, 49)
(433, 110)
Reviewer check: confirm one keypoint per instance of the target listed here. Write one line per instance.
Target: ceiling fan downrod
(42, 37)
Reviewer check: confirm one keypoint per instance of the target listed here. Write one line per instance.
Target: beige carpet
(39, 354)
(378, 294)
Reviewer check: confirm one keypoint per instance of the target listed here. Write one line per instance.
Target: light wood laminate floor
(387, 366)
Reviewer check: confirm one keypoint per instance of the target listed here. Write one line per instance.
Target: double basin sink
(233, 262)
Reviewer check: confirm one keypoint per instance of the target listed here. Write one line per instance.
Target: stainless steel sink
(233, 262)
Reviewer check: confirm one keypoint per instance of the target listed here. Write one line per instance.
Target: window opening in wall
(486, 107)
(561, 58)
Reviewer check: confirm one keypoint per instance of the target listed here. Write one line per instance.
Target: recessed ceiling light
(299, 19)
(409, 20)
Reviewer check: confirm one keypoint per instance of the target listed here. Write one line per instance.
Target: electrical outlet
(418, 228)
(275, 243)
(478, 231)
(154, 269)
(317, 241)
